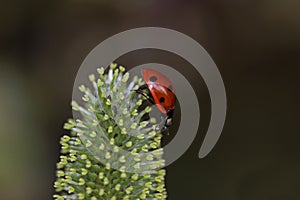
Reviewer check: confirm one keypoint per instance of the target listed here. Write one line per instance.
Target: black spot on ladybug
(170, 88)
(153, 78)
(161, 99)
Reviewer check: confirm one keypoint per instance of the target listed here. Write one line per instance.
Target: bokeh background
(255, 44)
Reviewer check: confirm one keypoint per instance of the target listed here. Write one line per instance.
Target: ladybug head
(169, 117)
(168, 120)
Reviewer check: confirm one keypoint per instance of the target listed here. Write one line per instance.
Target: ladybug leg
(147, 95)
(165, 129)
(149, 98)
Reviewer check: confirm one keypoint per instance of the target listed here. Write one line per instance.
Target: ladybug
(159, 91)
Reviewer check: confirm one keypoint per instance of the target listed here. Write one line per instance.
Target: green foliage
(110, 152)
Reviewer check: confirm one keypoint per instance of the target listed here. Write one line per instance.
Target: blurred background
(255, 44)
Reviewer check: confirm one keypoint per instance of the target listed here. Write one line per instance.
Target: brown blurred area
(255, 44)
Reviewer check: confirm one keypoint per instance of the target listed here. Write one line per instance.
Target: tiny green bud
(92, 77)
(100, 70)
(122, 159)
(82, 88)
(113, 65)
(125, 77)
(128, 144)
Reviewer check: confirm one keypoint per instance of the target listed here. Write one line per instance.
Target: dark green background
(254, 43)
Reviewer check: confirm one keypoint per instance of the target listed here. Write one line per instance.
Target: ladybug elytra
(160, 91)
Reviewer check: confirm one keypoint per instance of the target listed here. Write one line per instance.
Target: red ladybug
(160, 91)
